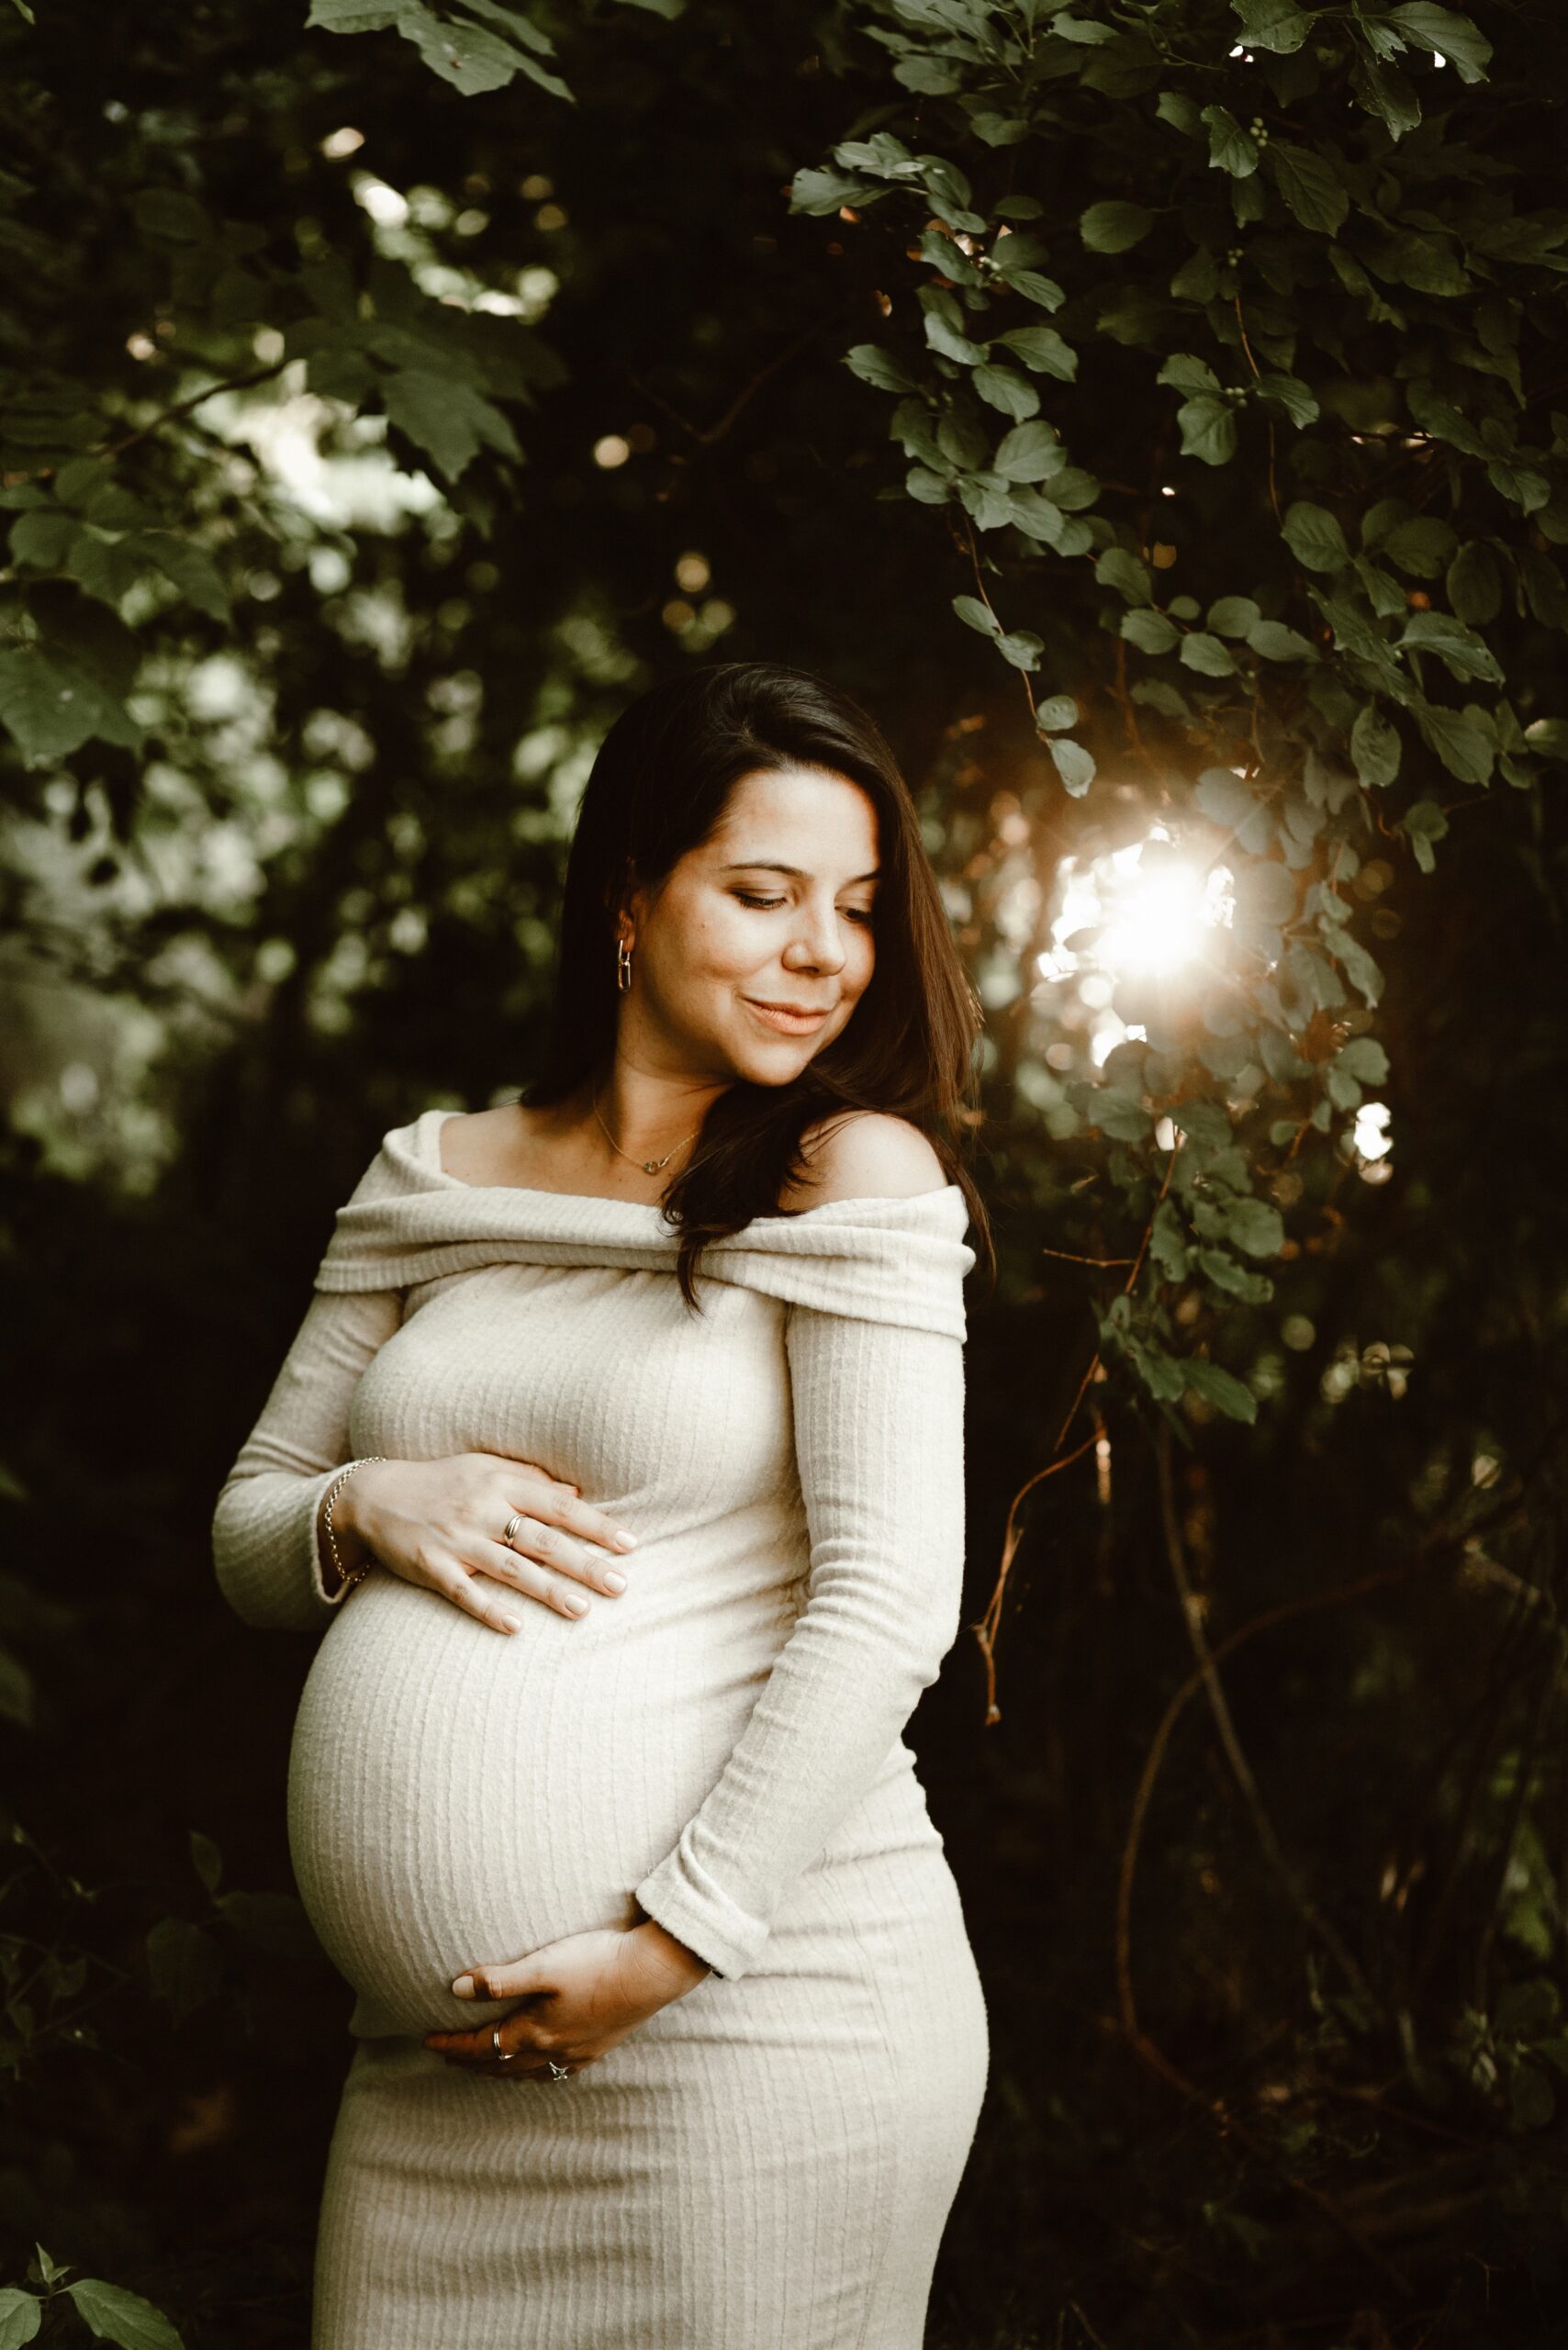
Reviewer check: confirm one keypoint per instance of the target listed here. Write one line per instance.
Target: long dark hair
(659, 786)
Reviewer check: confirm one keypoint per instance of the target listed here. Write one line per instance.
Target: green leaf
(1443, 419)
(1365, 1059)
(1449, 35)
(1176, 108)
(1039, 519)
(1233, 615)
(1543, 586)
(1042, 349)
(1114, 227)
(1298, 399)
(42, 536)
(354, 15)
(944, 337)
(1310, 186)
(20, 2313)
(51, 705)
(445, 417)
(1254, 1227)
(102, 565)
(1315, 537)
(1464, 654)
(1208, 428)
(1425, 823)
(1073, 764)
(1044, 292)
(1221, 1388)
(1272, 640)
(1185, 372)
(1520, 485)
(1118, 569)
(190, 567)
(819, 191)
(1374, 747)
(1227, 801)
(1277, 24)
(1073, 489)
(987, 500)
(1386, 92)
(977, 615)
(1206, 654)
(1149, 630)
(469, 58)
(1005, 389)
(1060, 710)
(1197, 280)
(115, 2315)
(1421, 546)
(1359, 967)
(1030, 452)
(1021, 648)
(1226, 1275)
(1230, 149)
(1461, 746)
(1547, 737)
(875, 366)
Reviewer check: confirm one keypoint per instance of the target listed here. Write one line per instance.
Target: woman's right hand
(439, 1524)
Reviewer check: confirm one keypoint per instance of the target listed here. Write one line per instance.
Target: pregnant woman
(619, 1460)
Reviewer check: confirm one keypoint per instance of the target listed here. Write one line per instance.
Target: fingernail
(512, 1623)
(464, 1986)
(623, 1540)
(614, 1580)
(576, 1603)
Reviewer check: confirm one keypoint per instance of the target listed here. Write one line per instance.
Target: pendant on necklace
(652, 1165)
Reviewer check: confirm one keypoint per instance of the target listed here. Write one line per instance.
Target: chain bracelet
(333, 1490)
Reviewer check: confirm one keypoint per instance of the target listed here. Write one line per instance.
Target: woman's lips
(787, 1024)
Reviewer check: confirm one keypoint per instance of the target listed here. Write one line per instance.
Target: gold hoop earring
(623, 966)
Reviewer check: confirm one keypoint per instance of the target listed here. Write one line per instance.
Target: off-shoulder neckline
(428, 1127)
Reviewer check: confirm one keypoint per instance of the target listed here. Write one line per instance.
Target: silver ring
(558, 2072)
(514, 1522)
(503, 2055)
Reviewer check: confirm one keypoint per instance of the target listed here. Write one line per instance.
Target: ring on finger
(503, 2055)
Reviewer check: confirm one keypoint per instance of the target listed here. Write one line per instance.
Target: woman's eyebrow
(767, 865)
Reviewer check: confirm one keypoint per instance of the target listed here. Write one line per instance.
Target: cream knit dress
(768, 2163)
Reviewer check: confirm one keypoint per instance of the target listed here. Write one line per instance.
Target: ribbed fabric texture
(718, 1748)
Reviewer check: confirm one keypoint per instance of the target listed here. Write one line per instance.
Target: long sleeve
(264, 1543)
(877, 1411)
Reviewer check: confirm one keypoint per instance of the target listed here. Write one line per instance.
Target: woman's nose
(818, 946)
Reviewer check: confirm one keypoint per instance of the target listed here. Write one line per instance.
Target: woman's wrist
(341, 1542)
(675, 1956)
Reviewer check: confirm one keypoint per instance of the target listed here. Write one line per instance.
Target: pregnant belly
(458, 1795)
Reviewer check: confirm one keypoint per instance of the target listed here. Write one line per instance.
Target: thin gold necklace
(648, 1165)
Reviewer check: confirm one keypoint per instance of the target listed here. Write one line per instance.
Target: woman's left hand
(579, 1995)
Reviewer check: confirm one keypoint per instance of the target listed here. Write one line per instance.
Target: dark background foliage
(378, 411)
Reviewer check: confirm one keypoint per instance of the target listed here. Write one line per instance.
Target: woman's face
(754, 953)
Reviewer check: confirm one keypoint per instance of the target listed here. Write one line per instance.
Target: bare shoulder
(865, 1154)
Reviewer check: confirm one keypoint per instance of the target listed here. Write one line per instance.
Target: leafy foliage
(1315, 387)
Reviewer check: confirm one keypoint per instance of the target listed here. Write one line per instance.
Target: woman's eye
(853, 914)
